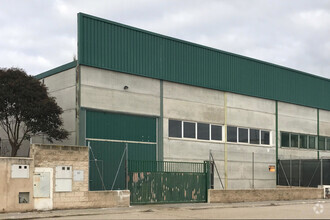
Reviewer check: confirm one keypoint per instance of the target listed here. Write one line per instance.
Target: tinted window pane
(265, 137)
(216, 132)
(321, 143)
(303, 141)
(294, 140)
(312, 142)
(231, 134)
(203, 131)
(285, 139)
(328, 143)
(189, 130)
(175, 129)
(254, 136)
(243, 134)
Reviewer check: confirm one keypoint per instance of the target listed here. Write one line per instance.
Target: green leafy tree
(27, 110)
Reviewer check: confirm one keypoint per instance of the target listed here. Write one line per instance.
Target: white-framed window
(175, 128)
(248, 135)
(189, 129)
(195, 130)
(304, 141)
(216, 132)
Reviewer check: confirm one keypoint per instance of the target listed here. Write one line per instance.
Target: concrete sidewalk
(149, 208)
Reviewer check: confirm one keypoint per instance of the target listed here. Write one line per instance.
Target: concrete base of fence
(231, 196)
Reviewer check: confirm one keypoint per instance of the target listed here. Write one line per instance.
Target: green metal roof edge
(56, 70)
(80, 14)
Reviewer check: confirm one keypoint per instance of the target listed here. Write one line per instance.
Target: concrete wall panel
(65, 98)
(61, 80)
(192, 94)
(116, 81)
(325, 128)
(298, 125)
(193, 111)
(295, 153)
(250, 119)
(296, 111)
(121, 101)
(184, 150)
(250, 103)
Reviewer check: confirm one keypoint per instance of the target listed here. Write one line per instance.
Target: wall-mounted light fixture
(125, 87)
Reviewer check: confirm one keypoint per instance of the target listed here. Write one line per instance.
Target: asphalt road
(285, 211)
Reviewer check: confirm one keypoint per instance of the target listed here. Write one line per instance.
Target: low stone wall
(92, 199)
(50, 156)
(232, 196)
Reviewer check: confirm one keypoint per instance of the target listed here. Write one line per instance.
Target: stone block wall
(51, 156)
(278, 194)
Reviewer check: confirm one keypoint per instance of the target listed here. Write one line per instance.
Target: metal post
(321, 171)
(299, 172)
(290, 171)
(252, 170)
(126, 165)
(209, 170)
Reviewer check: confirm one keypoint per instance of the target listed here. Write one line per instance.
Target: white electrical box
(78, 175)
(63, 179)
(63, 172)
(63, 185)
(20, 171)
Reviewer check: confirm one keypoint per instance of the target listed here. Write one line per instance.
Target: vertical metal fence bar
(252, 170)
(290, 171)
(126, 167)
(299, 174)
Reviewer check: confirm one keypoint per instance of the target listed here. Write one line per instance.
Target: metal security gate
(303, 172)
(167, 182)
(108, 135)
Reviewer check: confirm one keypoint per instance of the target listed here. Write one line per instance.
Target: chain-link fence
(303, 172)
(243, 170)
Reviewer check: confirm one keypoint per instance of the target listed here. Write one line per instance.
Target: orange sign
(271, 168)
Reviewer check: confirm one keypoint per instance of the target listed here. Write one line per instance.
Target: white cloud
(38, 35)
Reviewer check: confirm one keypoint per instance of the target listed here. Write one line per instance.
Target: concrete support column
(225, 138)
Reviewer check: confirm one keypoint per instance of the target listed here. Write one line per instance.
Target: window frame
(248, 135)
(169, 128)
(222, 132)
(195, 130)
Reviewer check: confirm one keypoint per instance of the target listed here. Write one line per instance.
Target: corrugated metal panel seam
(197, 45)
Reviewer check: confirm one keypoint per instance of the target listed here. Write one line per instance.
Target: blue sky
(38, 35)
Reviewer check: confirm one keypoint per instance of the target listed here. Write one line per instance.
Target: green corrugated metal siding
(109, 45)
(103, 125)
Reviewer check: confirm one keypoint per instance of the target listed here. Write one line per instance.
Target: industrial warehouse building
(172, 100)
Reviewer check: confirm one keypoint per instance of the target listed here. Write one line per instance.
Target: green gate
(108, 134)
(167, 182)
